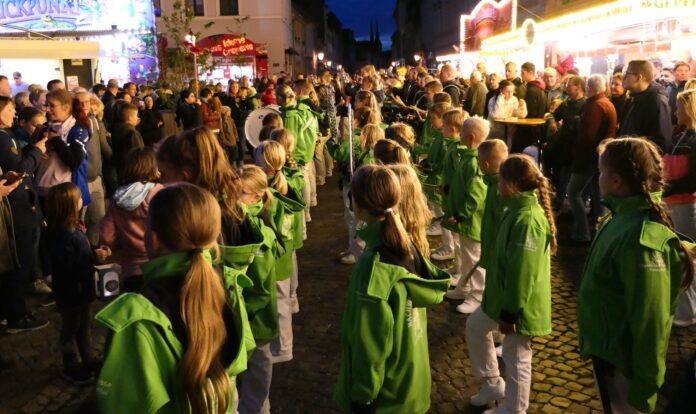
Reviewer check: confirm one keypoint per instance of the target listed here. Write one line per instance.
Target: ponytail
(271, 157)
(200, 371)
(543, 194)
(394, 235)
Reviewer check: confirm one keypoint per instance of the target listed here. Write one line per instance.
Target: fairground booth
(78, 41)
(234, 56)
(598, 35)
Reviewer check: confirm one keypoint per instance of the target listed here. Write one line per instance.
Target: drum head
(253, 123)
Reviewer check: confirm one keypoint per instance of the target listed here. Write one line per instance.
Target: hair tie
(196, 250)
(388, 210)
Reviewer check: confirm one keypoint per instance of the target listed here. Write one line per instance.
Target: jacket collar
(521, 200)
(491, 179)
(623, 205)
(372, 234)
(170, 265)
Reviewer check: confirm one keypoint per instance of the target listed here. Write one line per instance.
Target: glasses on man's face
(17, 78)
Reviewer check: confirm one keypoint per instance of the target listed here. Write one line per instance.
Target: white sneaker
(455, 279)
(443, 253)
(348, 259)
(497, 410)
(40, 286)
(468, 306)
(455, 294)
(499, 351)
(434, 229)
(493, 389)
(679, 323)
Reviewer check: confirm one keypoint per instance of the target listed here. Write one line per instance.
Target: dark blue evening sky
(357, 15)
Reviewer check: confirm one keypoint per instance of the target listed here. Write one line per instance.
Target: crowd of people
(205, 227)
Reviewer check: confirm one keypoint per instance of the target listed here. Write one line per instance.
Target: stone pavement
(562, 383)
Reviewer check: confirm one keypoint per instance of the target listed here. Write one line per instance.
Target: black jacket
(674, 90)
(455, 92)
(520, 88)
(189, 116)
(620, 106)
(24, 201)
(108, 100)
(535, 97)
(73, 261)
(648, 115)
(151, 126)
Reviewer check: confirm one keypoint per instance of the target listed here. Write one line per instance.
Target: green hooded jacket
(139, 371)
(240, 257)
(518, 277)
(433, 181)
(341, 154)
(426, 138)
(384, 339)
(450, 160)
(261, 298)
(467, 196)
(297, 183)
(492, 216)
(301, 121)
(283, 214)
(628, 295)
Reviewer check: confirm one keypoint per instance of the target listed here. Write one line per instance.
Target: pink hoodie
(123, 227)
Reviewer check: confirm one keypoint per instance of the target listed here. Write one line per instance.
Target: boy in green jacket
(491, 154)
(636, 269)
(517, 297)
(464, 212)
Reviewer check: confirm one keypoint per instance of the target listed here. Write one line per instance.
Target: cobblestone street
(562, 382)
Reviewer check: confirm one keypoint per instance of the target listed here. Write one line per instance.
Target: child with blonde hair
(413, 207)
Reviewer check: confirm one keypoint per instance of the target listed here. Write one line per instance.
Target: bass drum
(253, 123)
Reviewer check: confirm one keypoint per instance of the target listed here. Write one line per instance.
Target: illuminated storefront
(598, 34)
(123, 29)
(234, 56)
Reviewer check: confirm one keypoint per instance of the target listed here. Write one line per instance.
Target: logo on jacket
(529, 244)
(656, 262)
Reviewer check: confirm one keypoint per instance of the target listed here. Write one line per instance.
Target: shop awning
(48, 49)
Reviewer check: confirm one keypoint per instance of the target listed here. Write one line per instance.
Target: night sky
(357, 15)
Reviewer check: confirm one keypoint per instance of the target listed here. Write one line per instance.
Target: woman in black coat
(151, 122)
(188, 113)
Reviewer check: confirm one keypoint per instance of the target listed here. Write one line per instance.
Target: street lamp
(320, 56)
(190, 38)
(329, 63)
(417, 57)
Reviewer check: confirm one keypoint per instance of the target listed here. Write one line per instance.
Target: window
(197, 6)
(229, 7)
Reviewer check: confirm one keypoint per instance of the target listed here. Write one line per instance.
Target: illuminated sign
(229, 45)
(488, 18)
(74, 15)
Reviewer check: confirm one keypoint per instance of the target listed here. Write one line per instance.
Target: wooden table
(521, 122)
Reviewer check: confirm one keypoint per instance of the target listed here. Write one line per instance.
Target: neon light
(497, 5)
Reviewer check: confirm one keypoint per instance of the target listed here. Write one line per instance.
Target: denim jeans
(576, 185)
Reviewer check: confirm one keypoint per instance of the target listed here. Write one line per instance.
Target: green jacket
(261, 297)
(518, 278)
(365, 158)
(384, 338)
(450, 160)
(301, 121)
(284, 213)
(628, 295)
(341, 154)
(426, 138)
(297, 183)
(492, 216)
(467, 195)
(433, 181)
(240, 257)
(139, 371)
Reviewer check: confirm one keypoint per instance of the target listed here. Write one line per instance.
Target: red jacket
(211, 119)
(598, 122)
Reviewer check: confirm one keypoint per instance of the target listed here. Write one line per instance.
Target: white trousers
(615, 391)
(294, 284)
(517, 354)
(310, 189)
(281, 347)
(254, 384)
(466, 256)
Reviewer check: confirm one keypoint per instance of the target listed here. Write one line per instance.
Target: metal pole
(195, 75)
(350, 137)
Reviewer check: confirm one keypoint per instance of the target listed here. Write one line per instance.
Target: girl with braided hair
(635, 271)
(517, 295)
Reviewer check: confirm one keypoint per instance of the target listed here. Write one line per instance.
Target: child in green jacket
(254, 384)
(299, 119)
(464, 213)
(517, 297)
(384, 353)
(491, 154)
(370, 134)
(636, 269)
(179, 343)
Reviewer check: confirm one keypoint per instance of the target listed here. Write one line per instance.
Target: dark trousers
(75, 328)
(14, 283)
